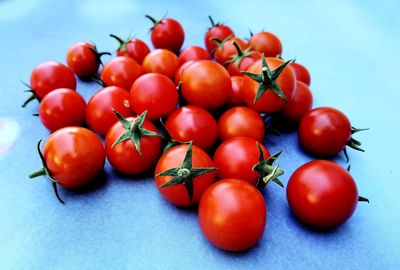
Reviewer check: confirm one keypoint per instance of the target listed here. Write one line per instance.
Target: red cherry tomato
(99, 114)
(301, 72)
(167, 34)
(226, 50)
(322, 194)
(269, 101)
(179, 71)
(206, 84)
(161, 61)
(61, 108)
(192, 123)
(173, 158)
(133, 48)
(241, 121)
(124, 156)
(216, 30)
(236, 157)
(235, 68)
(121, 71)
(232, 214)
(266, 43)
(193, 53)
(155, 93)
(236, 95)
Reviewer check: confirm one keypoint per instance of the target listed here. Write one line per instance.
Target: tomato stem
(266, 171)
(39, 172)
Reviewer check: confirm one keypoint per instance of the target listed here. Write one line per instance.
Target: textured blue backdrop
(352, 51)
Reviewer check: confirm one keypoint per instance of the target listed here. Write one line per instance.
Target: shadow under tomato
(100, 183)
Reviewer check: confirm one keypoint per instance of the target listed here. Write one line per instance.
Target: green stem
(154, 21)
(121, 42)
(212, 21)
(40, 172)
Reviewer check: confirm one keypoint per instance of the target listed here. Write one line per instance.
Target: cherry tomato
(266, 43)
(83, 59)
(193, 53)
(61, 108)
(179, 194)
(216, 30)
(192, 123)
(322, 194)
(121, 71)
(236, 157)
(226, 49)
(301, 72)
(236, 95)
(232, 214)
(161, 61)
(167, 34)
(155, 93)
(241, 121)
(179, 71)
(124, 156)
(206, 84)
(242, 62)
(269, 101)
(99, 114)
(133, 48)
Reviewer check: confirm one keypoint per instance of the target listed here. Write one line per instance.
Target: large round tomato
(266, 43)
(269, 101)
(193, 53)
(232, 214)
(301, 72)
(133, 48)
(192, 123)
(99, 114)
(216, 30)
(161, 61)
(62, 108)
(179, 194)
(322, 194)
(241, 121)
(179, 71)
(206, 84)
(121, 71)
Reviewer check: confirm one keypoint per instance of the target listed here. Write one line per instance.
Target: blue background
(352, 51)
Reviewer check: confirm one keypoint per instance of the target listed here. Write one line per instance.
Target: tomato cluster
(198, 118)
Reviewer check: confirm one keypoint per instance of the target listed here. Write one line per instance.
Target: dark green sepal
(353, 143)
(238, 57)
(168, 138)
(98, 54)
(33, 95)
(266, 171)
(363, 199)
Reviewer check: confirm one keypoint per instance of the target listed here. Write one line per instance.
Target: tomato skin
(99, 114)
(155, 93)
(245, 63)
(193, 53)
(82, 60)
(269, 102)
(74, 156)
(193, 123)
(177, 194)
(298, 105)
(241, 121)
(266, 43)
(161, 61)
(232, 214)
(301, 73)
(179, 71)
(227, 50)
(135, 49)
(51, 75)
(121, 71)
(324, 131)
(236, 157)
(61, 108)
(322, 194)
(124, 157)
(168, 34)
(236, 95)
(206, 84)
(219, 31)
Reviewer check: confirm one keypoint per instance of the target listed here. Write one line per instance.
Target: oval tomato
(133, 48)
(266, 43)
(217, 30)
(193, 53)
(161, 61)
(121, 71)
(301, 73)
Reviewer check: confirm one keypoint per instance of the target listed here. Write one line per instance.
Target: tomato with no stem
(167, 34)
(322, 194)
(206, 84)
(301, 72)
(155, 93)
(161, 61)
(216, 30)
(266, 43)
(192, 123)
(121, 71)
(132, 47)
(236, 95)
(241, 121)
(99, 114)
(193, 53)
(61, 108)
(226, 49)
(232, 214)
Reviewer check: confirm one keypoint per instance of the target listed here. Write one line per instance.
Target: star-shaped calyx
(168, 138)
(353, 143)
(238, 57)
(185, 174)
(267, 79)
(266, 171)
(134, 131)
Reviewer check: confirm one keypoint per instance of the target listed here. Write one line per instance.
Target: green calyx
(44, 171)
(134, 130)
(185, 174)
(154, 21)
(33, 95)
(267, 172)
(267, 79)
(122, 43)
(168, 138)
(353, 143)
(98, 54)
(238, 57)
(220, 42)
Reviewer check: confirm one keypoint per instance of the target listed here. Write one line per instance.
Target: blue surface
(352, 51)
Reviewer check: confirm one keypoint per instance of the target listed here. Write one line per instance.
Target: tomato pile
(197, 117)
